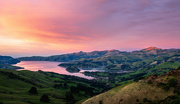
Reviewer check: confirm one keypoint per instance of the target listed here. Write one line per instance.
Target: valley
(133, 64)
(89, 52)
(109, 74)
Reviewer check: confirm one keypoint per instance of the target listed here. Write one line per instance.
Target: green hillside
(154, 89)
(73, 56)
(122, 70)
(61, 89)
(133, 61)
(6, 61)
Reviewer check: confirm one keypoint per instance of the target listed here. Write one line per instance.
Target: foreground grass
(14, 87)
(132, 93)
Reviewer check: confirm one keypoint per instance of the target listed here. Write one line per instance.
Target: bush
(176, 101)
(166, 88)
(172, 82)
(74, 89)
(70, 98)
(100, 102)
(146, 100)
(33, 90)
(150, 82)
(45, 98)
(178, 68)
(177, 91)
(137, 100)
(65, 85)
(160, 84)
(58, 86)
(172, 97)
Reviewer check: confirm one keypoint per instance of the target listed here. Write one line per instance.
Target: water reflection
(52, 67)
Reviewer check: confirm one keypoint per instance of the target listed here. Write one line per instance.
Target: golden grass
(131, 94)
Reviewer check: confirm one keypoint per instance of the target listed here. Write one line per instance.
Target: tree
(150, 82)
(178, 68)
(172, 82)
(74, 89)
(33, 90)
(100, 102)
(65, 85)
(70, 98)
(45, 98)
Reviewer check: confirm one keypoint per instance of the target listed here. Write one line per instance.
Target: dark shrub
(137, 100)
(57, 86)
(100, 102)
(45, 98)
(121, 99)
(177, 91)
(160, 84)
(176, 101)
(74, 89)
(172, 82)
(178, 68)
(70, 98)
(171, 97)
(166, 88)
(145, 100)
(33, 90)
(65, 85)
(150, 82)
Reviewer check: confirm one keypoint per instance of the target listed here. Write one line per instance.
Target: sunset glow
(48, 27)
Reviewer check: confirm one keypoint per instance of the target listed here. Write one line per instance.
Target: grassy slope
(15, 91)
(159, 90)
(163, 68)
(14, 87)
(130, 94)
(135, 60)
(8, 66)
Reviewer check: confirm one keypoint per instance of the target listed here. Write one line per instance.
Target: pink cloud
(91, 24)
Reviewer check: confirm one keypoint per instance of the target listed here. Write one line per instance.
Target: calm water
(51, 67)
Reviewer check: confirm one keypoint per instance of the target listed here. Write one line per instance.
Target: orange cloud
(60, 26)
(16, 23)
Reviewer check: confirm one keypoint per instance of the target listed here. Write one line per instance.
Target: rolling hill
(72, 56)
(163, 89)
(61, 89)
(114, 59)
(147, 53)
(6, 61)
(145, 64)
(142, 59)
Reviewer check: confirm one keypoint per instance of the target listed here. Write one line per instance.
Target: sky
(49, 27)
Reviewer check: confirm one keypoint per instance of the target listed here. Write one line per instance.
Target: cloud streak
(69, 25)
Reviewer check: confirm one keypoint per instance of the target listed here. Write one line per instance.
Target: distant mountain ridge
(132, 61)
(73, 56)
(151, 48)
(93, 54)
(6, 61)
